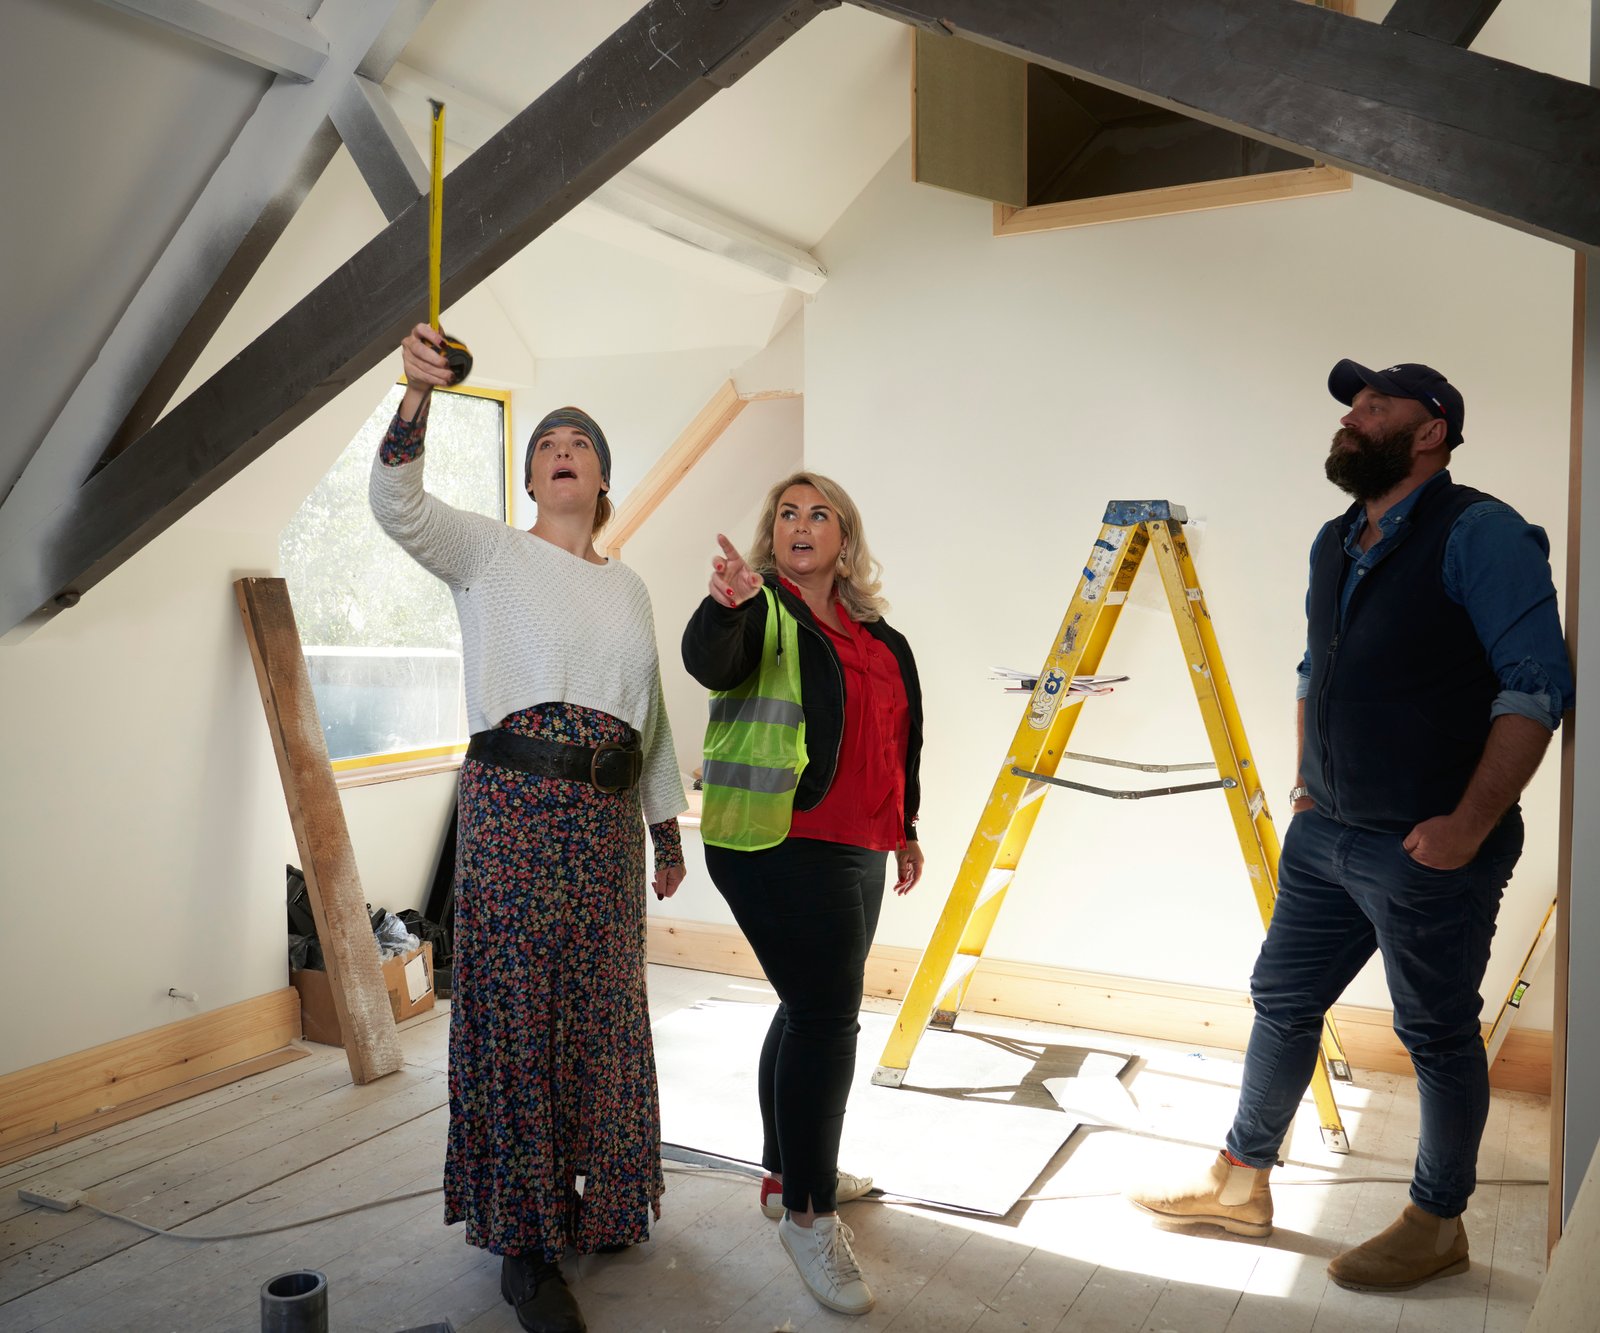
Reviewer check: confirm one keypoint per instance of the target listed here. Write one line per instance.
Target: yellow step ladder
(1130, 530)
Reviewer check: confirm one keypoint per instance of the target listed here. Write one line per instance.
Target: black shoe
(538, 1291)
(617, 1248)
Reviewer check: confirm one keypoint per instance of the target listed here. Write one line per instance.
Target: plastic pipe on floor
(295, 1303)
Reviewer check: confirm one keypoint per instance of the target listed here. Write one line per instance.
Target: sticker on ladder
(1102, 560)
(1047, 697)
(1069, 636)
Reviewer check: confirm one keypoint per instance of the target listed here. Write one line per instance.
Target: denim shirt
(1497, 568)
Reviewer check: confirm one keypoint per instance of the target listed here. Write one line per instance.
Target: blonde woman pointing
(810, 781)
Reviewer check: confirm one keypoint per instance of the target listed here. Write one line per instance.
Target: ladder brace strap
(1125, 794)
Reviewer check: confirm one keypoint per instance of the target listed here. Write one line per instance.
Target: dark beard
(1372, 467)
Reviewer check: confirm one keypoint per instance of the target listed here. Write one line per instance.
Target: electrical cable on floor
(745, 1170)
(328, 1217)
(260, 1231)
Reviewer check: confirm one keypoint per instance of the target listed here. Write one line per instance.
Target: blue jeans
(1344, 893)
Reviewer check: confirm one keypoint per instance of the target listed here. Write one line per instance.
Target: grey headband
(578, 419)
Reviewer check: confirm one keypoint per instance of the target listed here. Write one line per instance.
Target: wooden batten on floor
(77, 1094)
(1157, 1009)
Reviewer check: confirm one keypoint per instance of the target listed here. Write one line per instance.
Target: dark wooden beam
(230, 285)
(658, 67)
(1457, 22)
(1507, 143)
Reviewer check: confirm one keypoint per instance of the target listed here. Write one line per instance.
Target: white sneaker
(849, 1188)
(827, 1264)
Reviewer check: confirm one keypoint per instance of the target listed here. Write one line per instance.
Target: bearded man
(1433, 678)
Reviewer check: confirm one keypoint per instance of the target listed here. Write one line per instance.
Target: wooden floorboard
(300, 1141)
(82, 1157)
(193, 1183)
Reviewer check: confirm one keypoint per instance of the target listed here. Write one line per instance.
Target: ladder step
(997, 881)
(961, 967)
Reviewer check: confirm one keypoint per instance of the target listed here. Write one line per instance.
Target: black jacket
(1397, 715)
(722, 646)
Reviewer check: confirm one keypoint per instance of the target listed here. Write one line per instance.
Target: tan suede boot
(1416, 1249)
(1235, 1198)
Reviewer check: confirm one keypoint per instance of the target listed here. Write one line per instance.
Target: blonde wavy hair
(857, 579)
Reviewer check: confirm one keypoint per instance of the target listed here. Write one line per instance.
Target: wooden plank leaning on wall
(355, 975)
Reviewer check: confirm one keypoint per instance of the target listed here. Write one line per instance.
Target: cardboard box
(408, 978)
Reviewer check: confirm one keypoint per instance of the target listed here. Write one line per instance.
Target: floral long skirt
(552, 1071)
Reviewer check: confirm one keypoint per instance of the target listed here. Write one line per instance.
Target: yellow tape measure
(456, 355)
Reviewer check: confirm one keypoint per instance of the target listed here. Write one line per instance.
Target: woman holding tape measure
(810, 783)
(555, 1131)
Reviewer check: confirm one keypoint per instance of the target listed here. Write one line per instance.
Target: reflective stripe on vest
(755, 745)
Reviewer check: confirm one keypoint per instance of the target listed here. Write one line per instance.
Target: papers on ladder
(1023, 682)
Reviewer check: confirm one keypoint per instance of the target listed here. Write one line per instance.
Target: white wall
(142, 817)
(983, 398)
(140, 811)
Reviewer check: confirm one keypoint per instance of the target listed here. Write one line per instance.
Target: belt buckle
(594, 768)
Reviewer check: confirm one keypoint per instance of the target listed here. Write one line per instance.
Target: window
(382, 644)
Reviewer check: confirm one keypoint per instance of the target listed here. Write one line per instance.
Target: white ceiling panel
(571, 295)
(786, 149)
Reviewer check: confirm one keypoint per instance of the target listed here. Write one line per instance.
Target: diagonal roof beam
(255, 190)
(286, 43)
(663, 63)
(384, 154)
(1457, 22)
(1506, 143)
(383, 166)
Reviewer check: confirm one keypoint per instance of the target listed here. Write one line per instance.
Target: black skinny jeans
(809, 910)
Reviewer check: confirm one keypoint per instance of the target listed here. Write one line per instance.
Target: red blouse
(865, 804)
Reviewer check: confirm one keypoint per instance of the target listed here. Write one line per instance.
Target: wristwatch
(1295, 793)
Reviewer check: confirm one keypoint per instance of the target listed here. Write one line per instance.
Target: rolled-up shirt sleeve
(1497, 568)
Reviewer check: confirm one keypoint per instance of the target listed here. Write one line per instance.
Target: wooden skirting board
(1161, 1010)
(78, 1094)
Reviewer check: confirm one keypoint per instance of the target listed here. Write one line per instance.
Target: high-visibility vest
(756, 745)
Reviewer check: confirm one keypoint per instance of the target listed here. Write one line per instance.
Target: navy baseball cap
(1407, 380)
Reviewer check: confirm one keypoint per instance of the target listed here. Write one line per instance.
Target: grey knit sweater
(538, 624)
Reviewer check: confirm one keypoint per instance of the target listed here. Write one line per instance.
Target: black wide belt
(609, 767)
